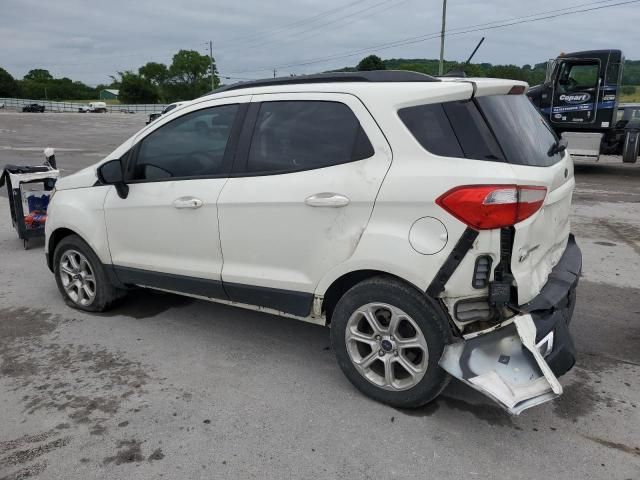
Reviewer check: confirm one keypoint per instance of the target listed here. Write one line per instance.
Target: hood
(87, 177)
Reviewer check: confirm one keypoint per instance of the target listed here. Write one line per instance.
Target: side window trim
(239, 168)
(240, 163)
(229, 153)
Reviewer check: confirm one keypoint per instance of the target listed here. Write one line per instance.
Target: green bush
(628, 90)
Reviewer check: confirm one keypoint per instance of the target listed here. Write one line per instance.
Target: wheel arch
(59, 234)
(54, 239)
(342, 284)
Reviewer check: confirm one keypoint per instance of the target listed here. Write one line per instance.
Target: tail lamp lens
(486, 207)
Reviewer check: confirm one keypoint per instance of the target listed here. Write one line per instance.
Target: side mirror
(110, 173)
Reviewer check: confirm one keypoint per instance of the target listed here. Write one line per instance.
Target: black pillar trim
(465, 242)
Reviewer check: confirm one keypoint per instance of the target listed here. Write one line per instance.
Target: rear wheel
(388, 339)
(631, 147)
(81, 277)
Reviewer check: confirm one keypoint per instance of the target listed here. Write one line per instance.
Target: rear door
(305, 180)
(575, 92)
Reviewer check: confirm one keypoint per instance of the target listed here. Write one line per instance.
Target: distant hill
(533, 74)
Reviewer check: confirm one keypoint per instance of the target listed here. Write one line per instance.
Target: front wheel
(81, 277)
(388, 338)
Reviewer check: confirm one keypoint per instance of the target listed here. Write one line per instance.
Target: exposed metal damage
(505, 365)
(516, 363)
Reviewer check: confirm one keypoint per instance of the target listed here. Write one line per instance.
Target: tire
(74, 264)
(631, 147)
(389, 299)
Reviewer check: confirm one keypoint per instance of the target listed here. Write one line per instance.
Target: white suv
(425, 220)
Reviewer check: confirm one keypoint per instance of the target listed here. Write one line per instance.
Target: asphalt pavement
(169, 387)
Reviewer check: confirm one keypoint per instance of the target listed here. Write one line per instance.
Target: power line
(402, 42)
(456, 31)
(376, 12)
(298, 23)
(139, 54)
(420, 38)
(321, 26)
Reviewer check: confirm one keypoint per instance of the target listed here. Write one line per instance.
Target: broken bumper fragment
(517, 362)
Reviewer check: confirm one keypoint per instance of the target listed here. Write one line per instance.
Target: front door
(305, 180)
(165, 233)
(576, 91)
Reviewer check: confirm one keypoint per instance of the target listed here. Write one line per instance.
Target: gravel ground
(169, 387)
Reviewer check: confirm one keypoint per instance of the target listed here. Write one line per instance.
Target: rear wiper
(560, 145)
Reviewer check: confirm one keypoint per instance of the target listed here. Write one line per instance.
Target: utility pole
(444, 19)
(211, 60)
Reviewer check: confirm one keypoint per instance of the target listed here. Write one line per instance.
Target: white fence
(49, 106)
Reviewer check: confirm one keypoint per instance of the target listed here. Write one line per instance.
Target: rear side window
(523, 134)
(301, 135)
(452, 129)
(431, 127)
(472, 131)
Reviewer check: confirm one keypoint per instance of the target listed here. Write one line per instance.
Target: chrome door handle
(187, 202)
(327, 199)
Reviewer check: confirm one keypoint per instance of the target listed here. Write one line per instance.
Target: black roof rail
(382, 76)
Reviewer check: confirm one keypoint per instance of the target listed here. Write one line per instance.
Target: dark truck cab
(580, 100)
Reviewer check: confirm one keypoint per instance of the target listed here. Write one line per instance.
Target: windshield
(520, 130)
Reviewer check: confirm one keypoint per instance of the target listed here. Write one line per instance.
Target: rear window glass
(494, 128)
(521, 131)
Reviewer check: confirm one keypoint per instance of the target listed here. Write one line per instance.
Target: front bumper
(515, 363)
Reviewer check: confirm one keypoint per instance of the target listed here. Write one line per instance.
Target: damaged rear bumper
(517, 362)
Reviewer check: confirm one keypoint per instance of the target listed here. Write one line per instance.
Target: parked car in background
(93, 107)
(34, 108)
(165, 110)
(425, 220)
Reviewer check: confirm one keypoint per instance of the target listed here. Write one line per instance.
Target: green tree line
(533, 74)
(189, 76)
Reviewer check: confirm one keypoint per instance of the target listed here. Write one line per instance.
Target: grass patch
(629, 97)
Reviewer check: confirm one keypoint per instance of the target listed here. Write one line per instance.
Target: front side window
(613, 72)
(577, 77)
(192, 145)
(300, 135)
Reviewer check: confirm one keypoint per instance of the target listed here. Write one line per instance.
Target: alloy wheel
(77, 278)
(386, 346)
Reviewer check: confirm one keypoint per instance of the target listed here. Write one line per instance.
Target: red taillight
(517, 90)
(484, 207)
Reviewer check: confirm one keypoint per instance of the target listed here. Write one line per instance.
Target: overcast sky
(88, 41)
